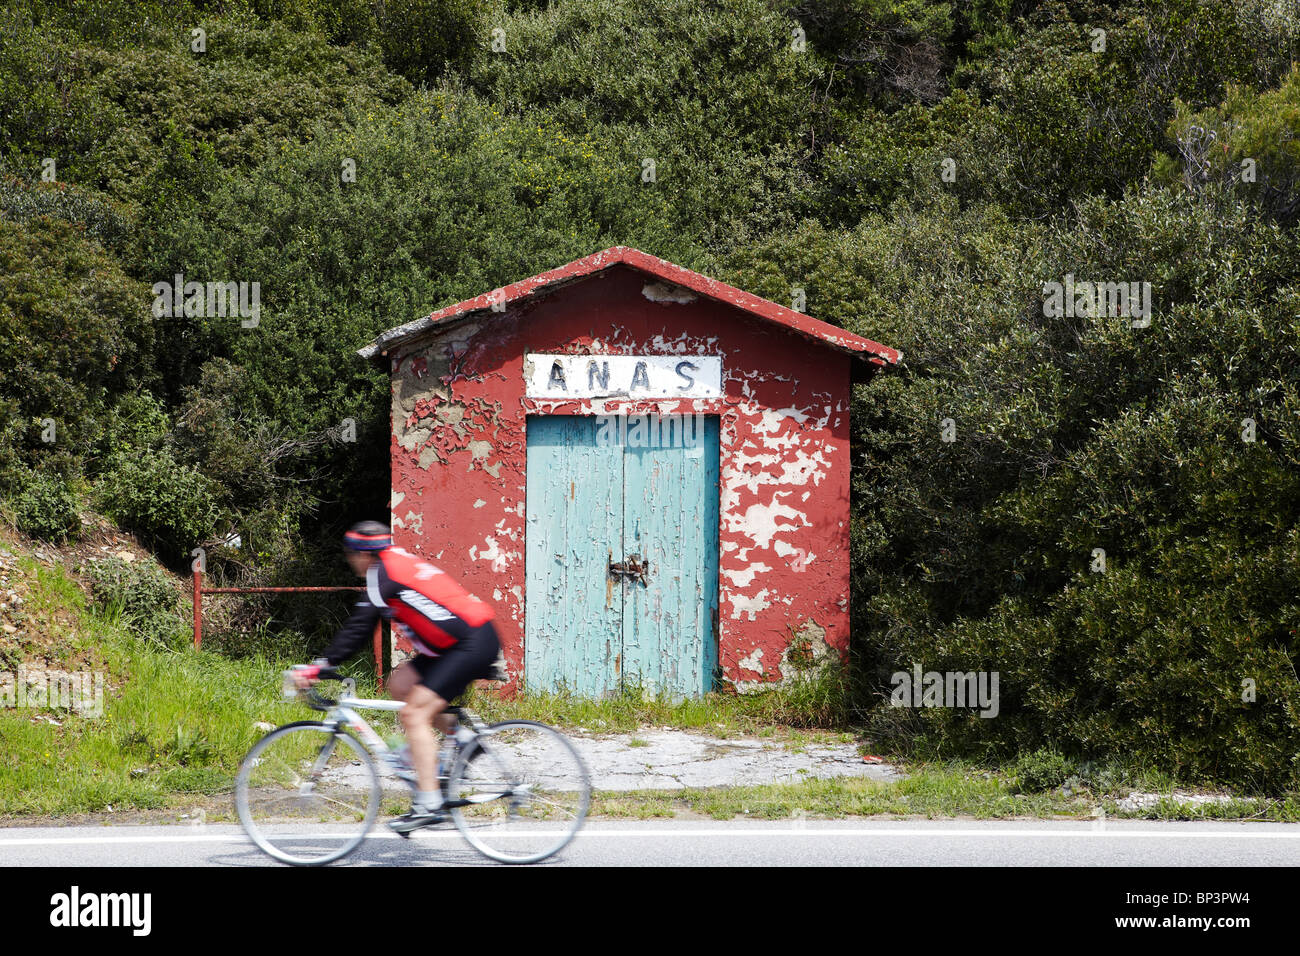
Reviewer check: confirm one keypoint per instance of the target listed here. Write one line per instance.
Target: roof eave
(816, 331)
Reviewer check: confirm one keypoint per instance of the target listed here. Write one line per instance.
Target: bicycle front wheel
(307, 793)
(519, 792)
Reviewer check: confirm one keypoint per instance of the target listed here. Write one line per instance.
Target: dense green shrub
(116, 119)
(1040, 771)
(1174, 449)
(878, 158)
(1248, 145)
(74, 332)
(421, 39)
(156, 496)
(115, 23)
(721, 73)
(437, 185)
(1086, 119)
(138, 594)
(46, 508)
(137, 421)
(104, 220)
(885, 52)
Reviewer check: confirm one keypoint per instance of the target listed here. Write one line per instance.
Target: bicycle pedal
(404, 825)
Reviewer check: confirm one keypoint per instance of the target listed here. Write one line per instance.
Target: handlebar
(290, 689)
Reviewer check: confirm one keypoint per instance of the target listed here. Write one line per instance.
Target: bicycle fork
(318, 768)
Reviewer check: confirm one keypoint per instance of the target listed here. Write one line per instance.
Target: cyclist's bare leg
(400, 683)
(401, 680)
(422, 707)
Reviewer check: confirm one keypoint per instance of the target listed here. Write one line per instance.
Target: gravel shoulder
(661, 759)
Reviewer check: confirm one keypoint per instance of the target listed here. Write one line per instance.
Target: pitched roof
(810, 328)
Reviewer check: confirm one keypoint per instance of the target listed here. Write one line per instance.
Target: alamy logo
(208, 299)
(74, 908)
(946, 689)
(1070, 299)
(650, 431)
(41, 689)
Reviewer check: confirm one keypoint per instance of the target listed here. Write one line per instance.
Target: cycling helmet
(368, 536)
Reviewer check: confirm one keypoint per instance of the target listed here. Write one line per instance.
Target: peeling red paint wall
(459, 454)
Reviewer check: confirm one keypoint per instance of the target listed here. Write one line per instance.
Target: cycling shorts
(469, 659)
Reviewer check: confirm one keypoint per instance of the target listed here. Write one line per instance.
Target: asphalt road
(705, 843)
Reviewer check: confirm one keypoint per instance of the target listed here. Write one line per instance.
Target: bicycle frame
(344, 713)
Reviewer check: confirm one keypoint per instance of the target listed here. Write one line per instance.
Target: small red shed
(644, 469)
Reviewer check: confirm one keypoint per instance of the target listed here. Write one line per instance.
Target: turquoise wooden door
(596, 496)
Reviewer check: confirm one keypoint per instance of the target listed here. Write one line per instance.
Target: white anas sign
(624, 376)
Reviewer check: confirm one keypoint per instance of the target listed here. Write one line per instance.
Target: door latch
(633, 568)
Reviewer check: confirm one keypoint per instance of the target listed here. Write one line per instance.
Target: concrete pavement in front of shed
(663, 759)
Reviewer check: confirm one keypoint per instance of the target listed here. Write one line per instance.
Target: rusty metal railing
(200, 590)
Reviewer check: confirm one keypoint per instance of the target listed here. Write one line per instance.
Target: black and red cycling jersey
(423, 602)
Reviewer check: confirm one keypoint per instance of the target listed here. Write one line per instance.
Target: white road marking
(90, 841)
(962, 833)
(597, 833)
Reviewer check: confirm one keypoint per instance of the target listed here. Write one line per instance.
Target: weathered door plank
(574, 517)
(671, 520)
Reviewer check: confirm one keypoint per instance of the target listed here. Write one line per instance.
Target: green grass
(1284, 810)
(932, 792)
(174, 723)
(803, 709)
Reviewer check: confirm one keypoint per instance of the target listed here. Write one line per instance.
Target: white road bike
(309, 792)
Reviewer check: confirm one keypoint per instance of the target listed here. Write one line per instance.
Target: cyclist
(453, 636)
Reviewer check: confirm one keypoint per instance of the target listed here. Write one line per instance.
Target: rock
(263, 726)
(9, 628)
(1141, 801)
(126, 556)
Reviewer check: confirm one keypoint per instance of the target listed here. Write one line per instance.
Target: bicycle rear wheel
(519, 792)
(307, 793)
